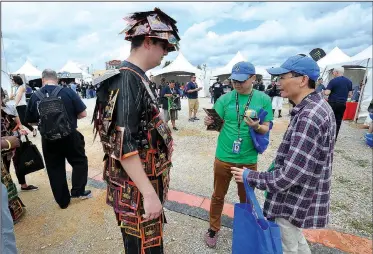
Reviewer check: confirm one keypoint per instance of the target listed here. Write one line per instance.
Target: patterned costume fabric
(16, 206)
(152, 142)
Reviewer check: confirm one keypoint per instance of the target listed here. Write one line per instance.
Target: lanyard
(239, 119)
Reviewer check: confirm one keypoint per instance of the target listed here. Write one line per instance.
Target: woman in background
(20, 103)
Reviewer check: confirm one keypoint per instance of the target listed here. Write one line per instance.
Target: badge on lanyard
(237, 146)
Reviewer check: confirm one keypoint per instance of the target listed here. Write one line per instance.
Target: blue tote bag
(261, 141)
(252, 233)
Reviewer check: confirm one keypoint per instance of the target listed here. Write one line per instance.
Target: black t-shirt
(259, 87)
(131, 103)
(217, 89)
(73, 104)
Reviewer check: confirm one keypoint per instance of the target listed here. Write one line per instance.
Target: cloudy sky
(50, 34)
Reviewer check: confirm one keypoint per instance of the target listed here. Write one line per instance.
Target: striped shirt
(299, 186)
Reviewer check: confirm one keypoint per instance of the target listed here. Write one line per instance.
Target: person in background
(299, 184)
(170, 108)
(356, 92)
(217, 90)
(153, 86)
(259, 86)
(20, 102)
(320, 86)
(277, 100)
(192, 93)
(338, 90)
(70, 148)
(235, 145)
(73, 86)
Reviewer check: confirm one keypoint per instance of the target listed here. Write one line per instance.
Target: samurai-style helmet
(155, 24)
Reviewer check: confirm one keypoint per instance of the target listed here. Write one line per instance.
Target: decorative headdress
(154, 24)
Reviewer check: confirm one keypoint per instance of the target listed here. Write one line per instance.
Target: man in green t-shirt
(235, 146)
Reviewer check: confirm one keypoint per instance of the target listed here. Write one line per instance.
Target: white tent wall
(29, 70)
(366, 96)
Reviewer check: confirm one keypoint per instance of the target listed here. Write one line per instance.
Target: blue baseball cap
(241, 71)
(300, 64)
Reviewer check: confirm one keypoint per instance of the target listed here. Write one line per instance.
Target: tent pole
(361, 93)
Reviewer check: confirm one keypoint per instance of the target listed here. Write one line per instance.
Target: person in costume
(10, 131)
(137, 143)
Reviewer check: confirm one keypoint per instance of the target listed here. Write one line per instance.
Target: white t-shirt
(22, 101)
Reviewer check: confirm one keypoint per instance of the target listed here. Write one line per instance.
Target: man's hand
(23, 132)
(199, 88)
(250, 122)
(152, 206)
(238, 174)
(208, 120)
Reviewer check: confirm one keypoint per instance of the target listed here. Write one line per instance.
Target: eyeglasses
(294, 75)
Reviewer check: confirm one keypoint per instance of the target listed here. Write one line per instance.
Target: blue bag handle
(251, 195)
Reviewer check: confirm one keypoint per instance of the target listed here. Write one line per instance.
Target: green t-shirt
(225, 106)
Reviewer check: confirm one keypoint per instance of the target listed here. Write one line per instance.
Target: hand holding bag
(252, 233)
(28, 157)
(261, 141)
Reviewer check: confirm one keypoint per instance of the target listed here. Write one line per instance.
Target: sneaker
(30, 188)
(174, 128)
(211, 238)
(279, 116)
(87, 194)
(191, 120)
(195, 118)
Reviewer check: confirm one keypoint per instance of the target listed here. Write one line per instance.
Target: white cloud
(211, 32)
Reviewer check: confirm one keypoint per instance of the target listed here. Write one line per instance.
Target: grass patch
(362, 225)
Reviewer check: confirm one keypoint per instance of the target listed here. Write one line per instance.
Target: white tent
(180, 64)
(365, 54)
(180, 69)
(227, 69)
(73, 70)
(333, 57)
(29, 70)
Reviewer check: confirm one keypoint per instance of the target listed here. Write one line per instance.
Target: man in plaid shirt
(299, 184)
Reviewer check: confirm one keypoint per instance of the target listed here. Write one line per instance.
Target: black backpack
(54, 121)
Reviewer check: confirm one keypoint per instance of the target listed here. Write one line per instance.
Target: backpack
(54, 122)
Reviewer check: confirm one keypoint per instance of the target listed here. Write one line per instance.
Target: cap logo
(237, 68)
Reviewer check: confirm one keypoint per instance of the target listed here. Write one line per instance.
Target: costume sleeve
(128, 110)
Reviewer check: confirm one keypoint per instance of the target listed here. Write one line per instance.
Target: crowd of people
(138, 143)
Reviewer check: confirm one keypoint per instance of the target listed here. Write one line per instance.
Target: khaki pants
(293, 241)
(222, 178)
(193, 105)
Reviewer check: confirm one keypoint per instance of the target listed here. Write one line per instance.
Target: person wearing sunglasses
(235, 146)
(137, 142)
(298, 187)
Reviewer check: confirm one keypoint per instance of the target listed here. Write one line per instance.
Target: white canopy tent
(180, 70)
(29, 70)
(73, 70)
(333, 57)
(227, 69)
(365, 54)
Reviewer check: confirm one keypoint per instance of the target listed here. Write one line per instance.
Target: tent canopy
(71, 67)
(365, 54)
(333, 57)
(180, 64)
(227, 69)
(29, 70)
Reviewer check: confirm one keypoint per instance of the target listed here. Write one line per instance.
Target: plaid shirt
(299, 186)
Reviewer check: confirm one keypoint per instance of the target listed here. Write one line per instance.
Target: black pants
(338, 109)
(20, 176)
(55, 154)
(216, 98)
(132, 245)
(21, 110)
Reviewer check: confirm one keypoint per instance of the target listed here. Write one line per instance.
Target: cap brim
(278, 71)
(239, 77)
